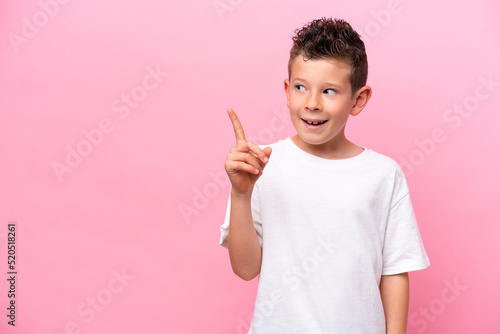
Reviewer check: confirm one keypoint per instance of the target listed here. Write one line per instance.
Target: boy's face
(319, 91)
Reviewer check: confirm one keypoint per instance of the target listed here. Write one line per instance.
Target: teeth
(315, 123)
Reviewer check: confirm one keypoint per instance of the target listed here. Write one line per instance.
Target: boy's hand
(245, 161)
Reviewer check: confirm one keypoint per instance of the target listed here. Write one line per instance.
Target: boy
(329, 226)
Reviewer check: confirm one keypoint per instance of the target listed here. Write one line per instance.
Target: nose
(313, 101)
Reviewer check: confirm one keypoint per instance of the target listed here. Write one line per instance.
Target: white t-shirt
(329, 229)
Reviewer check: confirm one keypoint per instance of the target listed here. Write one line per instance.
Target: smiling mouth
(314, 123)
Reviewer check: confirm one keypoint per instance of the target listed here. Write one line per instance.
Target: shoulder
(384, 161)
(391, 172)
(280, 149)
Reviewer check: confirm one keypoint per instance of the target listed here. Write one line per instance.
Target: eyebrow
(328, 83)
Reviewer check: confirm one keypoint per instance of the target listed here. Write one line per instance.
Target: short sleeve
(257, 221)
(403, 249)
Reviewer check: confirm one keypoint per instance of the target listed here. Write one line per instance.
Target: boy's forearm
(244, 248)
(394, 290)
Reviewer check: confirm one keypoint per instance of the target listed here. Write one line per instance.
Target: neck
(339, 149)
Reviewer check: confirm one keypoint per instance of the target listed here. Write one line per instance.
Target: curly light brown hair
(332, 38)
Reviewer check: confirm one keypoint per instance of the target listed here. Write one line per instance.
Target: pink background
(145, 200)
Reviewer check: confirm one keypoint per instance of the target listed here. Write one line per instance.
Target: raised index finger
(238, 129)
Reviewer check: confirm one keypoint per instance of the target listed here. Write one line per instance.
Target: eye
(300, 88)
(329, 91)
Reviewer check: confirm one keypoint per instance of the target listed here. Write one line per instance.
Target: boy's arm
(244, 165)
(394, 290)
(243, 244)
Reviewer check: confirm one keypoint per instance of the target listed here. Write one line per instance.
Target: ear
(287, 92)
(361, 99)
